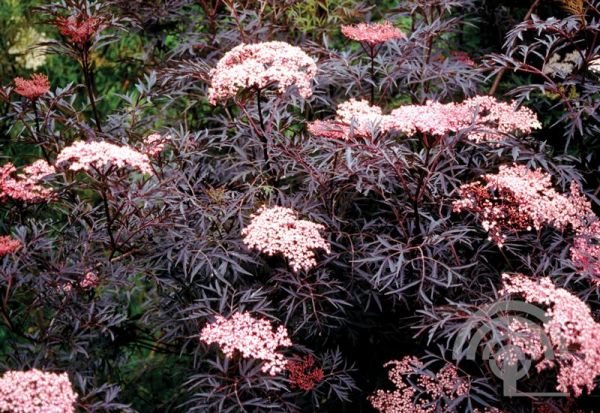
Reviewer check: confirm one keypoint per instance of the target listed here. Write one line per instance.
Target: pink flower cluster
(27, 185)
(78, 29)
(35, 391)
(490, 118)
(420, 395)
(463, 57)
(252, 337)
(32, 88)
(259, 66)
(518, 198)
(90, 280)
(585, 252)
(528, 337)
(571, 330)
(101, 156)
(278, 230)
(155, 143)
(372, 34)
(9, 245)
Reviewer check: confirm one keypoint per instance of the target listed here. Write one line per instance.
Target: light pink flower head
(518, 198)
(330, 129)
(571, 330)
(100, 156)
(32, 88)
(27, 185)
(585, 252)
(252, 337)
(278, 230)
(90, 280)
(9, 245)
(262, 65)
(444, 386)
(490, 119)
(372, 33)
(155, 143)
(35, 391)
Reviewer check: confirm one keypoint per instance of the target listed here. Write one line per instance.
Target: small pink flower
(90, 280)
(101, 156)
(329, 129)
(26, 186)
(278, 230)
(491, 119)
(585, 252)
(250, 336)
(155, 143)
(35, 391)
(571, 330)
(518, 198)
(259, 66)
(373, 33)
(33, 88)
(418, 392)
(9, 245)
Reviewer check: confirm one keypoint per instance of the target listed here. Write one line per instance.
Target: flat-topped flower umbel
(372, 33)
(446, 384)
(252, 337)
(259, 66)
(278, 230)
(87, 156)
(490, 119)
(32, 88)
(36, 391)
(27, 185)
(518, 198)
(9, 245)
(571, 330)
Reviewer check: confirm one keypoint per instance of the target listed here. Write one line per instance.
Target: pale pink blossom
(155, 143)
(528, 337)
(571, 330)
(9, 245)
(90, 280)
(27, 185)
(36, 391)
(101, 156)
(372, 34)
(359, 115)
(539, 200)
(330, 129)
(585, 252)
(278, 230)
(416, 391)
(32, 88)
(250, 336)
(489, 119)
(259, 66)
(518, 198)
